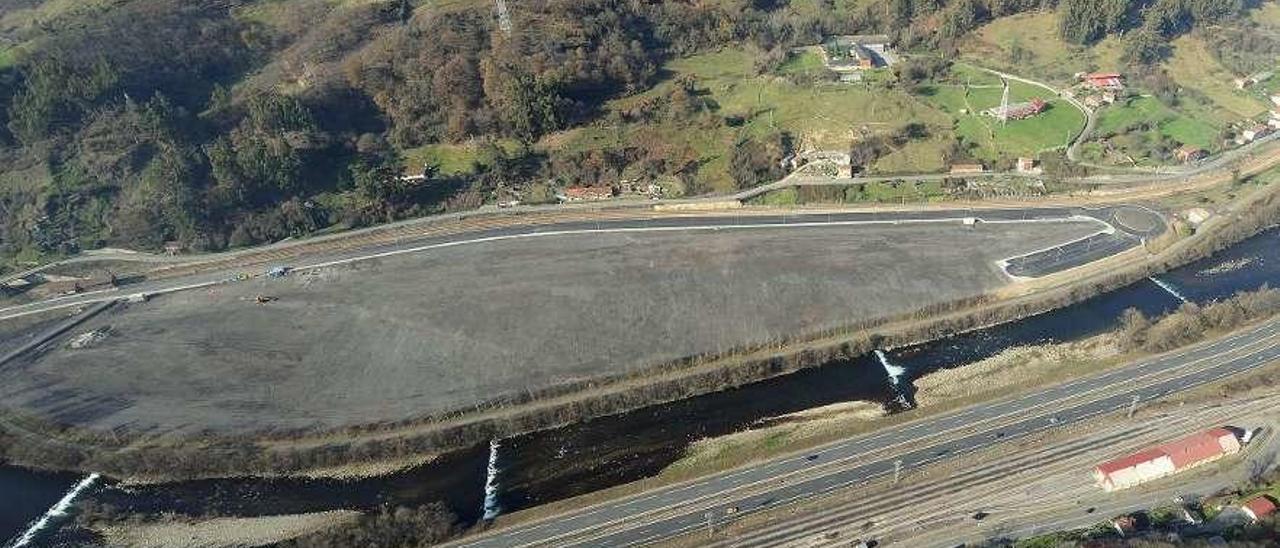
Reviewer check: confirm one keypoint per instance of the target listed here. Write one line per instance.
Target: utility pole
(711, 532)
(897, 470)
(1133, 406)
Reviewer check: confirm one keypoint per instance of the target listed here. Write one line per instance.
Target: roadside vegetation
(902, 192)
(281, 118)
(399, 526)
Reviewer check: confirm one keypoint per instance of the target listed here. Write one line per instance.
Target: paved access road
(672, 511)
(702, 221)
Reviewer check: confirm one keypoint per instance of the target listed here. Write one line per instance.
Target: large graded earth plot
(414, 334)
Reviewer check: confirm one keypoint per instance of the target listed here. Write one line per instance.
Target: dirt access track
(418, 328)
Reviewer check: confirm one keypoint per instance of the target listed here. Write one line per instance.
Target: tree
(753, 162)
(1133, 329)
(1087, 21)
(525, 104)
(406, 11)
(1144, 47)
(55, 95)
(162, 205)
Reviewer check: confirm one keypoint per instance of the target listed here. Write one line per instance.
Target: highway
(701, 222)
(672, 511)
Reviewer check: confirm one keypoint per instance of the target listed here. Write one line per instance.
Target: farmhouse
(858, 52)
(1100, 99)
(1189, 153)
(1252, 79)
(1163, 460)
(1105, 81)
(1253, 134)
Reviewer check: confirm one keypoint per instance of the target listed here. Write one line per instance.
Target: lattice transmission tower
(1004, 103)
(504, 18)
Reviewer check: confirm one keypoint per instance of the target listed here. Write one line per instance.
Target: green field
(1029, 45)
(1184, 129)
(805, 62)
(830, 116)
(882, 192)
(453, 159)
(916, 157)
(823, 116)
(1193, 67)
(967, 93)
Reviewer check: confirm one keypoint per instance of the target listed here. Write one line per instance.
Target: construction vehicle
(264, 299)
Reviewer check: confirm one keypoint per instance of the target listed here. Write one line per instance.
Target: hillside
(224, 123)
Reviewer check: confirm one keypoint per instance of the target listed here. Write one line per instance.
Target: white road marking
(35, 308)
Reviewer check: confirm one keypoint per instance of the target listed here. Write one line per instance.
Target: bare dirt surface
(1014, 368)
(224, 532)
(412, 335)
(18, 332)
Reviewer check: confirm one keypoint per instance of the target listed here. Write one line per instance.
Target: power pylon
(504, 18)
(1004, 104)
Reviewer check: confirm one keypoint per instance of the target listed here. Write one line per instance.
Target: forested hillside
(222, 123)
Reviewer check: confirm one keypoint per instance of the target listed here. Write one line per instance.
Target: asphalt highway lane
(675, 510)
(1077, 253)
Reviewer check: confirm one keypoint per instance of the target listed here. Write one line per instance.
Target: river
(545, 466)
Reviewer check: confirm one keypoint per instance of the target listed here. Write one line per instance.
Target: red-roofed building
(1190, 153)
(1259, 507)
(1166, 459)
(1105, 80)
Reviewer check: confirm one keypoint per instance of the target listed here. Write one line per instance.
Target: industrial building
(1170, 458)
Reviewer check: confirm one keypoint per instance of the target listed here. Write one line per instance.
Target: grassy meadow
(821, 115)
(1029, 45)
(967, 93)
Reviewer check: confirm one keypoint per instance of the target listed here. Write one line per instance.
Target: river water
(551, 465)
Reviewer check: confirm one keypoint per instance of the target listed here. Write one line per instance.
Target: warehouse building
(1166, 459)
